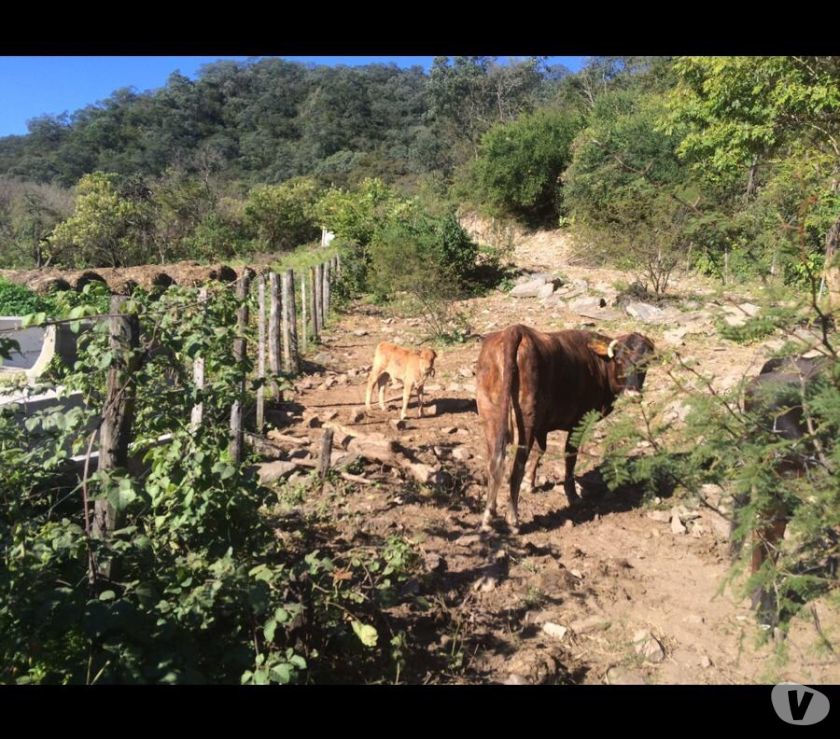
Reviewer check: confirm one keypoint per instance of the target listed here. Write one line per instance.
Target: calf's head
(628, 356)
(427, 362)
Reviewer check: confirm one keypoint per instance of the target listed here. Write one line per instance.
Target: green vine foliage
(202, 588)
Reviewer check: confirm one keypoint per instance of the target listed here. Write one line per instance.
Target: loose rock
(589, 624)
(557, 631)
(644, 311)
(648, 647)
(528, 290)
(273, 471)
(514, 679)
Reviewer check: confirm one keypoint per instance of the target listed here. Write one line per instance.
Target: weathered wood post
(291, 361)
(326, 290)
(117, 419)
(326, 454)
(319, 294)
(338, 264)
(317, 316)
(261, 352)
(304, 330)
(236, 432)
(197, 413)
(274, 331)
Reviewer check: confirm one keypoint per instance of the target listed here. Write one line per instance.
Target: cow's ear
(599, 347)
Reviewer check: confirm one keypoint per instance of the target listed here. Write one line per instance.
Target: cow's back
(557, 378)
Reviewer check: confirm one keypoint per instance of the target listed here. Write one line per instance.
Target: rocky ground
(615, 591)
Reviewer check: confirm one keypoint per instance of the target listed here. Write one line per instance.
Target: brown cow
(775, 397)
(539, 383)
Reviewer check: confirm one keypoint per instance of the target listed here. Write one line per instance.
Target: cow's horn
(611, 348)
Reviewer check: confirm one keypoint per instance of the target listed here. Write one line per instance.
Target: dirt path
(606, 571)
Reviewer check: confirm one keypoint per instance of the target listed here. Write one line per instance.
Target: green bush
(519, 165)
(204, 586)
(282, 216)
(18, 300)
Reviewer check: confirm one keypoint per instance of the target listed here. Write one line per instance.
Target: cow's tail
(511, 347)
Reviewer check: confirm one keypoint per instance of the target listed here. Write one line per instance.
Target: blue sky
(35, 85)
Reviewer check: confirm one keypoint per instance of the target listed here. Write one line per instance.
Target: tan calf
(410, 366)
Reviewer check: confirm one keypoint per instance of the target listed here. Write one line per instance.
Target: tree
(112, 225)
(743, 111)
(473, 93)
(520, 163)
(282, 215)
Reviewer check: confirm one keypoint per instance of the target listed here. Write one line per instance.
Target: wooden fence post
(274, 330)
(319, 294)
(326, 290)
(236, 432)
(197, 413)
(326, 454)
(117, 420)
(317, 315)
(304, 330)
(291, 362)
(261, 352)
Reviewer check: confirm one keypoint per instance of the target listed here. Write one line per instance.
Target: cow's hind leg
(569, 481)
(765, 548)
(523, 449)
(495, 470)
(541, 440)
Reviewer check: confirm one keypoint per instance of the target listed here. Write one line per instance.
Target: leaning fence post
(274, 330)
(117, 419)
(261, 352)
(197, 413)
(291, 362)
(236, 432)
(326, 290)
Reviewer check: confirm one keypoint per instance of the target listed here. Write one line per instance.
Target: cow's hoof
(485, 524)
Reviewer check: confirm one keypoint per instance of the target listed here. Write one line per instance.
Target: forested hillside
(727, 165)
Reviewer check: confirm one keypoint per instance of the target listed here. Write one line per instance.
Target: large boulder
(530, 289)
(644, 311)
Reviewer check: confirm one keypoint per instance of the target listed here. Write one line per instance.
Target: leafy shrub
(201, 591)
(519, 165)
(18, 300)
(282, 216)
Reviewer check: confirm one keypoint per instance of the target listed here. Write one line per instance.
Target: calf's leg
(373, 379)
(406, 396)
(383, 381)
